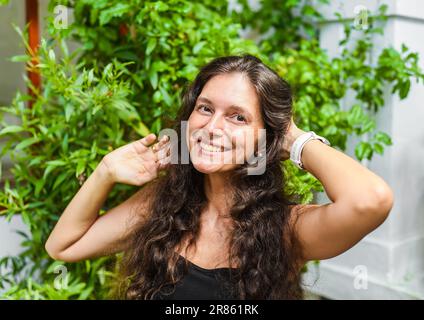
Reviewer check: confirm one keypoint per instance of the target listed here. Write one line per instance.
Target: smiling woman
(221, 125)
(209, 229)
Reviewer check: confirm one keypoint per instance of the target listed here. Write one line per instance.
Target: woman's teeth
(210, 148)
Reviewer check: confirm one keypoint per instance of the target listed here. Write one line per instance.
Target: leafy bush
(114, 89)
(321, 83)
(125, 80)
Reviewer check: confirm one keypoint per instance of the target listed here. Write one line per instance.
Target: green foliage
(77, 118)
(336, 97)
(77, 283)
(289, 21)
(114, 89)
(165, 41)
(125, 80)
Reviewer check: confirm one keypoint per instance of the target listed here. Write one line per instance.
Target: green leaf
(378, 148)
(56, 163)
(20, 58)
(64, 144)
(355, 115)
(107, 71)
(404, 89)
(90, 77)
(308, 10)
(60, 179)
(26, 143)
(368, 126)
(80, 167)
(39, 186)
(11, 129)
(153, 77)
(151, 45)
(47, 171)
(157, 125)
(52, 55)
(363, 150)
(85, 293)
(383, 138)
(198, 47)
(161, 6)
(140, 128)
(35, 161)
(116, 10)
(166, 97)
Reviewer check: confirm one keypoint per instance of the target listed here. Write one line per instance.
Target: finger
(165, 137)
(164, 163)
(162, 145)
(159, 145)
(148, 140)
(163, 140)
(164, 152)
(155, 156)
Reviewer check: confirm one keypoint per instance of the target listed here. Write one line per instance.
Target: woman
(209, 229)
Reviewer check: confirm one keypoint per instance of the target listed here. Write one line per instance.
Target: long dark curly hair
(262, 244)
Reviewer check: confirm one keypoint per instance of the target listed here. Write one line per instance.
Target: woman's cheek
(238, 143)
(191, 130)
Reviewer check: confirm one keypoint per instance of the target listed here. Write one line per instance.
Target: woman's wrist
(300, 143)
(303, 156)
(104, 173)
(291, 138)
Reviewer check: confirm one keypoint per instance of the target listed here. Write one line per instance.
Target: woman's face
(223, 127)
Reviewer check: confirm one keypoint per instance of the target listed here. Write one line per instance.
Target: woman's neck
(218, 193)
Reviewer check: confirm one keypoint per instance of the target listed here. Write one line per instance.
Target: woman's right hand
(138, 162)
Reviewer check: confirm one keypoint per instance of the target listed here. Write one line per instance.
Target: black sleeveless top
(202, 284)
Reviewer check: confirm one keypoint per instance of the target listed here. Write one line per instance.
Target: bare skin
(81, 233)
(361, 200)
(215, 116)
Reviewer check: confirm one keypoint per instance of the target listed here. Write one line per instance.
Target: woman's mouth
(211, 147)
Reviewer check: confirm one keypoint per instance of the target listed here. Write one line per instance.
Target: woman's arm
(361, 201)
(81, 233)
(81, 212)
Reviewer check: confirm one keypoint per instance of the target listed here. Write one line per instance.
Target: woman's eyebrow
(204, 100)
(234, 107)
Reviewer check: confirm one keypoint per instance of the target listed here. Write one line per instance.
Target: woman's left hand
(291, 135)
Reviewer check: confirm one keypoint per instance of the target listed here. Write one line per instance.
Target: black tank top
(202, 284)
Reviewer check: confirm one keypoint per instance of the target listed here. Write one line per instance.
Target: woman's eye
(240, 118)
(204, 108)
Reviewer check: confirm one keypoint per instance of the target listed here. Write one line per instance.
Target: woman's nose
(216, 125)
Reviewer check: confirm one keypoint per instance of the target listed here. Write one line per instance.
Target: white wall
(392, 255)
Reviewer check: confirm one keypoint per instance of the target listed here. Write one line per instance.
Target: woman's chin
(208, 167)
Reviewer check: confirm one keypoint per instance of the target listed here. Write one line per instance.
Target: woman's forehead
(231, 89)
